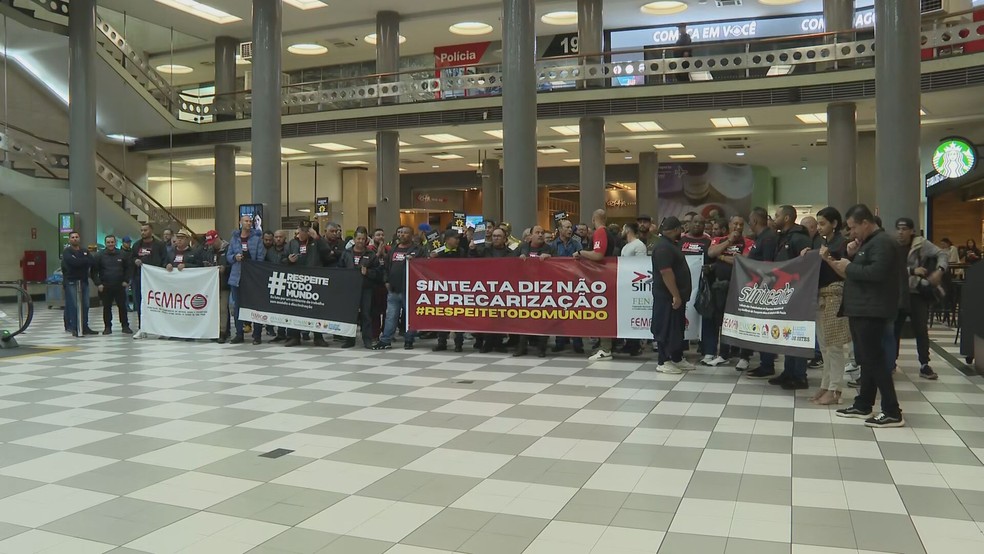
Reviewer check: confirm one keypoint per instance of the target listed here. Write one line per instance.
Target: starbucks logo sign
(955, 158)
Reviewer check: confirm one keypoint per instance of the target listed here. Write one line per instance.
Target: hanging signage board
(321, 207)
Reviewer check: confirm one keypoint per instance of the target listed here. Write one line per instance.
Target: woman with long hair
(833, 332)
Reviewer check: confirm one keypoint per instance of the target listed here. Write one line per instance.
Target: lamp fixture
(333, 146)
(470, 28)
(663, 7)
(443, 138)
(563, 17)
(307, 49)
(642, 126)
(306, 5)
(201, 10)
(371, 39)
(174, 69)
(729, 122)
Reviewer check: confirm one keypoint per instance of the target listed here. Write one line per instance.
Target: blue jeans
(708, 336)
(394, 305)
(72, 289)
(234, 304)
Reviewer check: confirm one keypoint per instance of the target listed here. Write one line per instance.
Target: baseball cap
(127, 240)
(424, 227)
(211, 236)
(644, 217)
(670, 223)
(181, 233)
(905, 223)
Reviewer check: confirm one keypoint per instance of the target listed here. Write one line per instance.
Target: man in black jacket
(275, 253)
(366, 262)
(77, 263)
(452, 250)
(183, 254)
(111, 273)
(149, 251)
(794, 240)
(214, 255)
(764, 250)
(395, 266)
(306, 250)
(871, 300)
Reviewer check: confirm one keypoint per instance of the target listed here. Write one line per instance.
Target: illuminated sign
(955, 157)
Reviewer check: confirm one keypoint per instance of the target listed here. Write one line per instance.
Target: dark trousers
(114, 294)
(669, 336)
(378, 311)
(366, 299)
(876, 376)
(795, 368)
(918, 313)
(459, 338)
(135, 285)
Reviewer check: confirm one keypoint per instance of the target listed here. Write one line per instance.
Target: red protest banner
(556, 296)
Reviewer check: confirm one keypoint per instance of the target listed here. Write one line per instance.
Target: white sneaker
(851, 367)
(742, 365)
(685, 365)
(670, 368)
(706, 360)
(599, 356)
(717, 361)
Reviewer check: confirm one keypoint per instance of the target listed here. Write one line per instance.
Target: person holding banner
(671, 284)
(77, 265)
(244, 244)
(763, 250)
(214, 255)
(395, 271)
(565, 246)
(363, 259)
(603, 245)
(537, 248)
(305, 250)
(148, 251)
(723, 251)
(833, 332)
(183, 254)
(498, 249)
(871, 302)
(451, 250)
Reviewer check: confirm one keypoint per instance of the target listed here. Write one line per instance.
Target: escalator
(16, 313)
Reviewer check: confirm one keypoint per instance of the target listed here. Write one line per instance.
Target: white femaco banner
(635, 298)
(182, 304)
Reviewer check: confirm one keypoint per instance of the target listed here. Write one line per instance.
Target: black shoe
(382, 346)
(519, 353)
(479, 345)
(795, 384)
(293, 341)
(486, 348)
(458, 348)
(75, 334)
(501, 349)
(367, 345)
(882, 420)
(557, 348)
(320, 341)
(223, 339)
(780, 379)
(108, 331)
(853, 412)
(127, 331)
(541, 353)
(760, 373)
(816, 363)
(578, 350)
(440, 347)
(257, 341)
(88, 331)
(279, 339)
(349, 344)
(927, 372)
(408, 346)
(237, 340)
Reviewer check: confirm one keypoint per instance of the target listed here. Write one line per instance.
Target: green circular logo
(955, 158)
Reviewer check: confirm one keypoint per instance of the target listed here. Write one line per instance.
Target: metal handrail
(24, 320)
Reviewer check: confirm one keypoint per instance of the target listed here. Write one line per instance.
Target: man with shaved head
(603, 246)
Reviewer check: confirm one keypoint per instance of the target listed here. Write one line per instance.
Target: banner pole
(78, 307)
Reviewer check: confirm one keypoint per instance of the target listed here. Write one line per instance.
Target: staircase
(45, 159)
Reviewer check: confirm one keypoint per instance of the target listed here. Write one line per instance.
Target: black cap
(905, 223)
(644, 217)
(670, 224)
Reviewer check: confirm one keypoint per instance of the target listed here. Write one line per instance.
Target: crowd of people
(867, 290)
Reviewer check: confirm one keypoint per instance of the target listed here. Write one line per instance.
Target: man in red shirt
(723, 251)
(602, 247)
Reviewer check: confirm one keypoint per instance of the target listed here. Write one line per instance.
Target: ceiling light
(371, 39)
(305, 49)
(779, 2)
(663, 7)
(560, 18)
(668, 146)
(122, 138)
(739, 154)
(779, 70)
(290, 151)
(628, 157)
(163, 179)
(353, 162)
(403, 169)
(470, 28)
(373, 142)
(729, 122)
(496, 134)
(446, 157)
(475, 165)
(812, 118)
(443, 138)
(242, 173)
(435, 167)
(198, 162)
(333, 146)
(306, 4)
(682, 156)
(203, 11)
(642, 126)
(573, 160)
(304, 210)
(551, 150)
(568, 130)
(174, 69)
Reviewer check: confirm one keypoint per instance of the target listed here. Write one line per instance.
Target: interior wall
(955, 219)
(17, 224)
(799, 187)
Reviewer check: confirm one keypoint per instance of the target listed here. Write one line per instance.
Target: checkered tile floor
(116, 445)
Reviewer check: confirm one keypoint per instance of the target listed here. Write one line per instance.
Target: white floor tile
(334, 476)
(36, 541)
(179, 430)
(56, 466)
(194, 490)
(47, 503)
(185, 455)
(65, 439)
(459, 462)
(416, 435)
(371, 518)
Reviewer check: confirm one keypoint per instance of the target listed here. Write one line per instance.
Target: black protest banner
(314, 299)
(772, 306)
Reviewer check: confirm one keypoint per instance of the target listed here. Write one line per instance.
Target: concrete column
(267, 101)
(866, 169)
(838, 15)
(647, 185)
(897, 109)
(842, 152)
(387, 46)
(226, 209)
(592, 165)
(355, 198)
(519, 113)
(491, 190)
(388, 180)
(591, 35)
(82, 132)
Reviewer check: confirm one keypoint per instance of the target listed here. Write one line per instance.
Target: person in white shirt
(633, 244)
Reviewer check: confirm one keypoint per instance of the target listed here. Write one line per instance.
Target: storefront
(955, 193)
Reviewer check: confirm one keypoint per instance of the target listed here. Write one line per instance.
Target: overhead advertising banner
(772, 306)
(556, 296)
(320, 300)
(181, 304)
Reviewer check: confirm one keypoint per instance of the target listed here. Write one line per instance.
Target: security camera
(386, 199)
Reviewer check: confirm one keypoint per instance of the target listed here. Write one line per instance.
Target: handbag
(704, 302)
